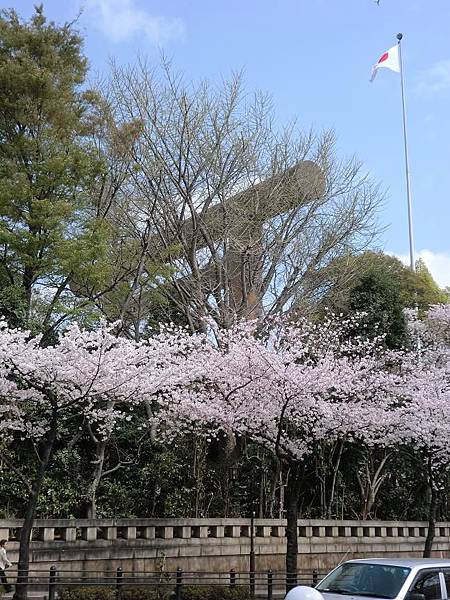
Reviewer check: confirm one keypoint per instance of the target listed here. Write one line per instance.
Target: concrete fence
(103, 545)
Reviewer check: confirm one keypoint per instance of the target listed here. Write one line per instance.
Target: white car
(389, 578)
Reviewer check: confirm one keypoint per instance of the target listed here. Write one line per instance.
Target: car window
(447, 580)
(429, 585)
(365, 579)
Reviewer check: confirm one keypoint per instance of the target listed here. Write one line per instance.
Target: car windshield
(364, 579)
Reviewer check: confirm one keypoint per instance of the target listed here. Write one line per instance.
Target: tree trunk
(371, 484)
(27, 527)
(27, 284)
(369, 502)
(262, 491)
(273, 492)
(336, 467)
(432, 509)
(292, 497)
(97, 475)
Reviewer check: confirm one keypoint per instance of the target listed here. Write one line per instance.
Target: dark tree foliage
(378, 295)
(381, 286)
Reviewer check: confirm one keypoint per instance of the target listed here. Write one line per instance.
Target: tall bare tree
(245, 215)
(120, 288)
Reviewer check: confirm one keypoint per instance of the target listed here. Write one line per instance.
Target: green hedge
(145, 593)
(215, 592)
(189, 592)
(100, 592)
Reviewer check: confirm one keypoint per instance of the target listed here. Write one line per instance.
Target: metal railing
(260, 584)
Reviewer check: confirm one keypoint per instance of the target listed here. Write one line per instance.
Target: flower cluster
(288, 387)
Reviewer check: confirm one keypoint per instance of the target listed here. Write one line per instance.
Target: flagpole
(412, 262)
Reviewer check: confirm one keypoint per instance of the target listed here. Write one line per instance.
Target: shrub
(100, 592)
(145, 593)
(189, 592)
(215, 592)
(109, 593)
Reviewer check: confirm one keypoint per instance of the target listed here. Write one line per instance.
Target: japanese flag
(389, 59)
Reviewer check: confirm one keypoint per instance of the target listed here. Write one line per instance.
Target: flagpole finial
(399, 36)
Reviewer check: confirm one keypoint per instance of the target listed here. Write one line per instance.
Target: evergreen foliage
(47, 167)
(382, 287)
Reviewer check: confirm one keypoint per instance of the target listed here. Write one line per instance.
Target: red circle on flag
(384, 57)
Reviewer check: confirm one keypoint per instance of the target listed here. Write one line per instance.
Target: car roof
(405, 562)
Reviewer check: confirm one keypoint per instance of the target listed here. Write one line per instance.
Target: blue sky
(314, 57)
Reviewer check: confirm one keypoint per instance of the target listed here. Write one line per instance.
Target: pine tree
(48, 164)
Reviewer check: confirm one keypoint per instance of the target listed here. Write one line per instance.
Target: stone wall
(138, 545)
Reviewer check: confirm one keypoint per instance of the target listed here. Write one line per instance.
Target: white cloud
(436, 78)
(123, 19)
(438, 264)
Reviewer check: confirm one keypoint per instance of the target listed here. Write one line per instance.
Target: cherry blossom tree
(164, 366)
(90, 377)
(421, 397)
(288, 388)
